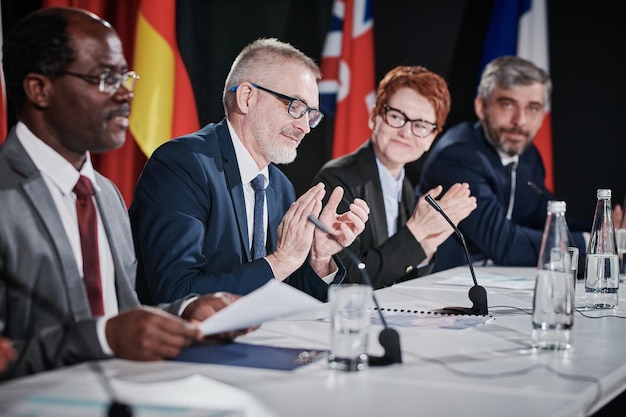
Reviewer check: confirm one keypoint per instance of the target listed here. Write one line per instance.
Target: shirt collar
(247, 166)
(51, 163)
(391, 186)
(506, 158)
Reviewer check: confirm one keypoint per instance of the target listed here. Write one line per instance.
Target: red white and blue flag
(520, 27)
(348, 73)
(3, 104)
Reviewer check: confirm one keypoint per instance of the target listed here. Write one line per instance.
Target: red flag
(347, 87)
(4, 128)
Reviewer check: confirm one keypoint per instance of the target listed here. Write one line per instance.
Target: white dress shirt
(60, 177)
(248, 170)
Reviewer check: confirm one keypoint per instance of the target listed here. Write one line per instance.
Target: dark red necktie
(88, 229)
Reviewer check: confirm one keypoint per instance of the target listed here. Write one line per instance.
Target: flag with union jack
(347, 87)
(4, 128)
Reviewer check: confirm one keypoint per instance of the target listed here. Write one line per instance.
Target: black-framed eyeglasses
(108, 82)
(397, 119)
(296, 109)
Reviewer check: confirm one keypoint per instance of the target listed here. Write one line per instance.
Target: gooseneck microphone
(116, 407)
(477, 294)
(537, 190)
(389, 338)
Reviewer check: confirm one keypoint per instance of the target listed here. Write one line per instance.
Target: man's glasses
(397, 119)
(296, 109)
(108, 82)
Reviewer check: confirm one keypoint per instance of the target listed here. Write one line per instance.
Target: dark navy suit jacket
(190, 227)
(463, 154)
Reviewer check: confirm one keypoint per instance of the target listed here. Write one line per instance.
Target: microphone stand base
(457, 311)
(381, 360)
(390, 341)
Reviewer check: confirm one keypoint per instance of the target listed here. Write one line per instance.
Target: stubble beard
(494, 135)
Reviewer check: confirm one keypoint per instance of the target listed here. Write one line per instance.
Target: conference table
(452, 365)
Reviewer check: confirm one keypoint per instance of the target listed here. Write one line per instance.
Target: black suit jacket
(388, 259)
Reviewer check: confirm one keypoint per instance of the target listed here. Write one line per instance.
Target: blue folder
(255, 356)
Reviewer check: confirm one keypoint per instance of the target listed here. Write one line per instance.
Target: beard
(495, 136)
(278, 153)
(273, 146)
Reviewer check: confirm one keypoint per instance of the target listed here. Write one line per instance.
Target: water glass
(351, 309)
(620, 236)
(573, 254)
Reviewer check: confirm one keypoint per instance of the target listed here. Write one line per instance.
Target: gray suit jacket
(44, 307)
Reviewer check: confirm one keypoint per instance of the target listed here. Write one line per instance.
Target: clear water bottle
(602, 262)
(553, 300)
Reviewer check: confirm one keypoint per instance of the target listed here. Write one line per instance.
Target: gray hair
(260, 61)
(510, 71)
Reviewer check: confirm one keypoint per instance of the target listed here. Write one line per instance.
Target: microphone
(477, 294)
(116, 408)
(537, 190)
(388, 338)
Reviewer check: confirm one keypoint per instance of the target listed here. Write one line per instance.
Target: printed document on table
(491, 281)
(273, 300)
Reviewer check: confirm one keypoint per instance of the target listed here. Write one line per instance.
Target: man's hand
(209, 304)
(206, 305)
(429, 227)
(148, 334)
(7, 353)
(295, 233)
(344, 227)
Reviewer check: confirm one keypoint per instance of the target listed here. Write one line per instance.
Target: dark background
(586, 40)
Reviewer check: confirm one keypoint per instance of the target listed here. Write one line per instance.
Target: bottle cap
(604, 193)
(556, 206)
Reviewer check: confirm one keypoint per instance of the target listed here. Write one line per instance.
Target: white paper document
(273, 300)
(491, 281)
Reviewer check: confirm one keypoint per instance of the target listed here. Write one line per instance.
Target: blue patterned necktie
(258, 234)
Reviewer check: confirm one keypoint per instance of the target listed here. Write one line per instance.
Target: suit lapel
(36, 190)
(274, 214)
(233, 181)
(407, 204)
(373, 194)
(114, 228)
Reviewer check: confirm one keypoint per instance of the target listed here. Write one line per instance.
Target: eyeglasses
(397, 119)
(108, 82)
(296, 109)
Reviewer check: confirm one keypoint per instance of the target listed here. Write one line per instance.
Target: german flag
(164, 106)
